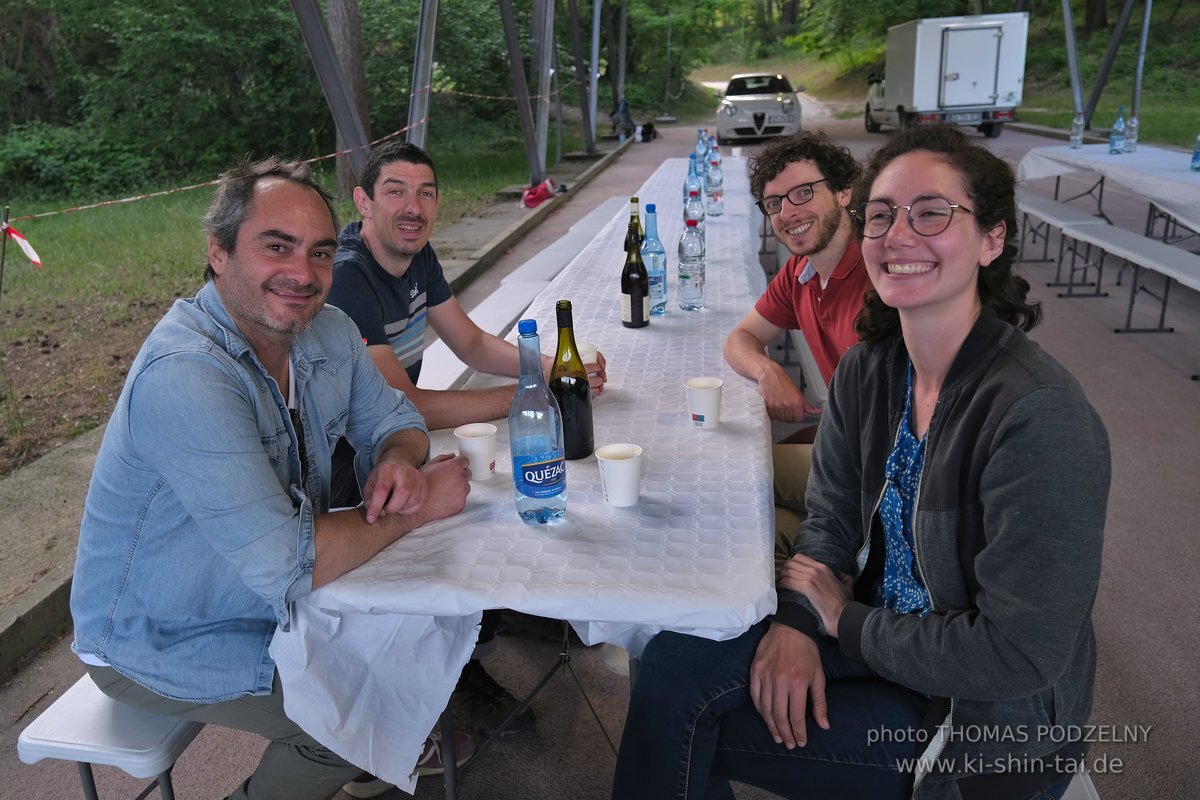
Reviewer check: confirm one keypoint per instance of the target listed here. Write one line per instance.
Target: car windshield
(758, 84)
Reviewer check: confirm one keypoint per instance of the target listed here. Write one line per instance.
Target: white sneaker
(367, 785)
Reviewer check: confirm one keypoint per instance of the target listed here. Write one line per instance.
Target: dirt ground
(64, 381)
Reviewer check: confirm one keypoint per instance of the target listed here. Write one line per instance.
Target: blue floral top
(901, 588)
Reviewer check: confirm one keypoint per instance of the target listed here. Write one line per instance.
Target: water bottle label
(540, 474)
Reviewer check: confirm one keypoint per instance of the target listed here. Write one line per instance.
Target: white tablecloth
(1163, 177)
(372, 658)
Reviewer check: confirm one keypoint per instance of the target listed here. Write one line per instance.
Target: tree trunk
(345, 30)
(1095, 16)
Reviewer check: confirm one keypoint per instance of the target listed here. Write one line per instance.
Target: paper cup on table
(477, 442)
(704, 401)
(620, 473)
(588, 352)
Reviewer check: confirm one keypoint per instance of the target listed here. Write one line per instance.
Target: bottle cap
(527, 326)
(691, 223)
(649, 208)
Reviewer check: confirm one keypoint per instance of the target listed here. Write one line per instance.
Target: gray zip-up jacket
(1008, 532)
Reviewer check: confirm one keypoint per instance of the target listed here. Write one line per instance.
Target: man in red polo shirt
(803, 183)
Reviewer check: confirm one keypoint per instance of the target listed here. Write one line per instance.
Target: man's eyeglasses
(797, 196)
(927, 217)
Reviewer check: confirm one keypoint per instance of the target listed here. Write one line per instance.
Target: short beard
(827, 228)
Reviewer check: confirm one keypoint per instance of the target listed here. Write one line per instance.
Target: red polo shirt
(795, 301)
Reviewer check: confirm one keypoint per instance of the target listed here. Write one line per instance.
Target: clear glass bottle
(691, 268)
(569, 385)
(1116, 136)
(535, 436)
(715, 203)
(1077, 131)
(1131, 134)
(654, 256)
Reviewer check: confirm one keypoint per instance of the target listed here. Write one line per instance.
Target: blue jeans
(692, 728)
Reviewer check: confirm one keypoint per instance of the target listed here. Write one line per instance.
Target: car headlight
(787, 105)
(730, 110)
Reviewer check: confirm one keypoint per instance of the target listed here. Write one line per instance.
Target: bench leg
(1135, 286)
(88, 781)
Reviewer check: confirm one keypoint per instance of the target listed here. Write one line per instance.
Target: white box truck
(958, 70)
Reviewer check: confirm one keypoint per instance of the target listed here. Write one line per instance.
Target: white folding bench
(546, 265)
(1142, 253)
(1038, 216)
(441, 369)
(89, 727)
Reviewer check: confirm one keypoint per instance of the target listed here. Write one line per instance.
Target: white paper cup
(704, 401)
(588, 352)
(620, 473)
(477, 441)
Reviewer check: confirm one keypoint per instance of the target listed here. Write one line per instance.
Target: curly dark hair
(235, 190)
(989, 181)
(387, 153)
(835, 162)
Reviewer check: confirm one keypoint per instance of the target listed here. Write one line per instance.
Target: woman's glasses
(927, 217)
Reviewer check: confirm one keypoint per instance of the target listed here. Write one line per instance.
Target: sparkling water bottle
(1131, 134)
(535, 436)
(1196, 155)
(1116, 137)
(691, 268)
(715, 205)
(654, 256)
(1077, 131)
(701, 149)
(693, 209)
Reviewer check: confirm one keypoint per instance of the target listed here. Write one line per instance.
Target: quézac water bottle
(1131, 134)
(691, 268)
(535, 436)
(1077, 131)
(1116, 137)
(715, 206)
(693, 209)
(654, 256)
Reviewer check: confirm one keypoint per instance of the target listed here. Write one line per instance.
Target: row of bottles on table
(548, 424)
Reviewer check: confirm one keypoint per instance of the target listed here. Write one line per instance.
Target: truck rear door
(970, 66)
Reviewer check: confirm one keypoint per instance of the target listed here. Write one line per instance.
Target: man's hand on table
(597, 374)
(434, 491)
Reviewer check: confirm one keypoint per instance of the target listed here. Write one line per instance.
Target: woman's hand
(828, 593)
(786, 679)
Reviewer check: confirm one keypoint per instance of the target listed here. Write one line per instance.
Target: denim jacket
(197, 534)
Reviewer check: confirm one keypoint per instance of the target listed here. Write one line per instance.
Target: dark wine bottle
(569, 385)
(635, 284)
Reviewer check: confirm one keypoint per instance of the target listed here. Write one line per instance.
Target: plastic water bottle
(715, 186)
(535, 436)
(691, 268)
(1077, 131)
(1116, 137)
(692, 182)
(714, 150)
(701, 148)
(693, 209)
(654, 255)
(1196, 155)
(1131, 134)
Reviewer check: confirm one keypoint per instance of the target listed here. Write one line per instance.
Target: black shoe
(482, 705)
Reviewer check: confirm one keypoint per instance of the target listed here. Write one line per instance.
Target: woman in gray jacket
(934, 633)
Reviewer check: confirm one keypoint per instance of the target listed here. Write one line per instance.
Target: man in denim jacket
(208, 510)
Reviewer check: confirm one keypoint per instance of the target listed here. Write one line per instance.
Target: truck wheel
(871, 125)
(991, 129)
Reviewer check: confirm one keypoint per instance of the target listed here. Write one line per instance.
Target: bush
(40, 161)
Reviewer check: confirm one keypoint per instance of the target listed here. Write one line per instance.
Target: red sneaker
(430, 762)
